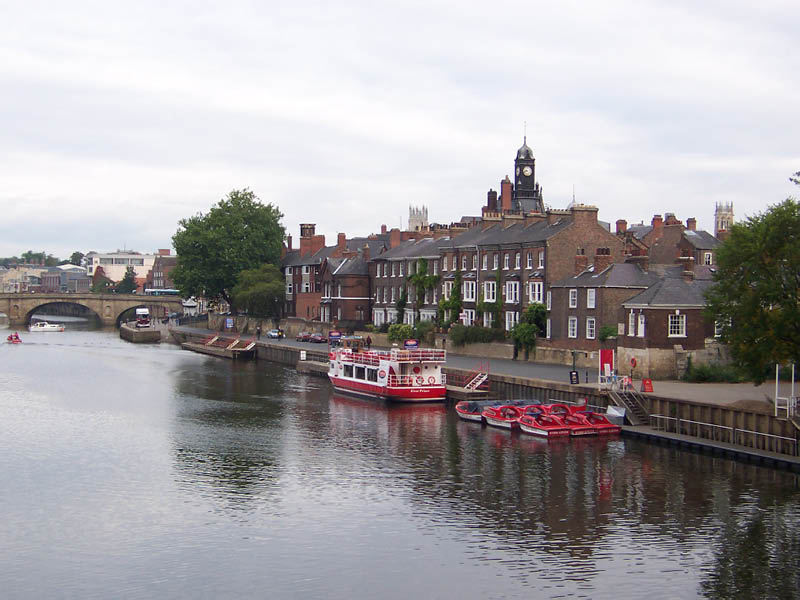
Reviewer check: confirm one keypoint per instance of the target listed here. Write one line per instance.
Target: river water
(151, 472)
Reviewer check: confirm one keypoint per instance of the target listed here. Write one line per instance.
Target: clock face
(527, 171)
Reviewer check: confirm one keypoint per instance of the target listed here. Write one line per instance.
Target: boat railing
(373, 357)
(414, 381)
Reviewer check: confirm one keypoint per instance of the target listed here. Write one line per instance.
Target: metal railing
(415, 380)
(767, 437)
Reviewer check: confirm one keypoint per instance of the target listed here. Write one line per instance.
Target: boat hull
(545, 433)
(504, 423)
(407, 394)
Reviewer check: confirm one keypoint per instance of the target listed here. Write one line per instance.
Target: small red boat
(505, 415)
(577, 423)
(472, 410)
(598, 420)
(13, 339)
(542, 424)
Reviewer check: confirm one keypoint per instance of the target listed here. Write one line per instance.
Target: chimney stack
(602, 260)
(581, 263)
(365, 252)
(657, 222)
(691, 224)
(622, 226)
(491, 202)
(289, 242)
(341, 242)
(383, 229)
(505, 194)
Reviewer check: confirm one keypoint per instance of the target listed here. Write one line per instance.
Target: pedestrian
(258, 331)
(369, 342)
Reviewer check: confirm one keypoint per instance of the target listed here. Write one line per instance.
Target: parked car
(318, 338)
(274, 334)
(303, 336)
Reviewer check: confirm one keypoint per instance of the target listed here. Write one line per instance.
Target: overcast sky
(119, 119)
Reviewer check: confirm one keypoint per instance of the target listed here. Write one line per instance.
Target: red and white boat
(543, 424)
(400, 374)
(504, 415)
(576, 421)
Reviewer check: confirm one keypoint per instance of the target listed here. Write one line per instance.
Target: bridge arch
(90, 314)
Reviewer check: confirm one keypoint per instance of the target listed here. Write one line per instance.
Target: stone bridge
(107, 307)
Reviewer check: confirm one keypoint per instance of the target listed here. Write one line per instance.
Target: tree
(128, 283)
(260, 291)
(755, 300)
(237, 234)
(531, 325)
(76, 258)
(452, 304)
(422, 282)
(402, 301)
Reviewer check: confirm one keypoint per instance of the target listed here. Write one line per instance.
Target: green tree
(531, 326)
(76, 258)
(260, 291)
(100, 283)
(239, 233)
(402, 301)
(422, 282)
(452, 304)
(128, 283)
(755, 297)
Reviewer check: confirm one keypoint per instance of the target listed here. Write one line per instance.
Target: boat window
(360, 373)
(348, 370)
(372, 374)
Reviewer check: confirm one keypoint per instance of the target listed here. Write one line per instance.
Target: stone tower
(527, 193)
(417, 218)
(723, 219)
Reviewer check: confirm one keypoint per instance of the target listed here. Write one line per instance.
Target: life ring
(420, 380)
(381, 373)
(431, 379)
(633, 362)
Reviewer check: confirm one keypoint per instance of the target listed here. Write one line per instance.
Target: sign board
(605, 364)
(647, 385)
(228, 323)
(334, 335)
(411, 344)
(573, 377)
(302, 354)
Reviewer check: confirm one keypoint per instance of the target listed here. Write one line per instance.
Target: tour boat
(408, 374)
(45, 326)
(543, 424)
(505, 415)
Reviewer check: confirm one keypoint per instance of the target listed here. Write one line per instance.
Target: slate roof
(669, 292)
(702, 240)
(293, 258)
(618, 275)
(639, 231)
(424, 248)
(518, 233)
(351, 266)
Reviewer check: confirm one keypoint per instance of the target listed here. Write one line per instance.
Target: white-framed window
(401, 269)
(394, 269)
(469, 316)
(677, 326)
(572, 327)
(708, 257)
(529, 264)
(495, 261)
(339, 290)
(428, 296)
(590, 328)
(306, 269)
(488, 319)
(517, 258)
(512, 318)
(541, 259)
(512, 292)
(306, 287)
(590, 296)
(506, 261)
(485, 262)
(393, 296)
(549, 299)
(549, 329)
(436, 267)
(573, 298)
(464, 262)
(289, 289)
(535, 291)
(489, 291)
(288, 270)
(474, 262)
(631, 323)
(640, 333)
(447, 288)
(444, 263)
(718, 325)
(469, 290)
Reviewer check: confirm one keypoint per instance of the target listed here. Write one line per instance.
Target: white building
(116, 263)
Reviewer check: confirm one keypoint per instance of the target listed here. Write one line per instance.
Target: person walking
(258, 331)
(369, 342)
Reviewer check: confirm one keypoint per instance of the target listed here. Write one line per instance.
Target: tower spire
(525, 133)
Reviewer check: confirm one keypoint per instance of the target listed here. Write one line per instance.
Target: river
(133, 471)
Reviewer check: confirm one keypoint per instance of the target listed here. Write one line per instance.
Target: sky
(119, 119)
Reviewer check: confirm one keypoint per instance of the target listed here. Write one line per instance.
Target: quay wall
(731, 424)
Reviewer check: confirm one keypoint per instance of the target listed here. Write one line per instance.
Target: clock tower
(527, 193)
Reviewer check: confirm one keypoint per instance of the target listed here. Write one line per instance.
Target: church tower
(723, 219)
(527, 194)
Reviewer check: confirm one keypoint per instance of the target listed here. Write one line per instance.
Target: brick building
(345, 299)
(679, 242)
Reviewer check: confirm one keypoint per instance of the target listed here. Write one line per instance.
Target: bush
(713, 373)
(399, 332)
(606, 332)
(384, 328)
(461, 334)
(369, 327)
(424, 331)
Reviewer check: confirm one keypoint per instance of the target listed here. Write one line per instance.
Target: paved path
(745, 395)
